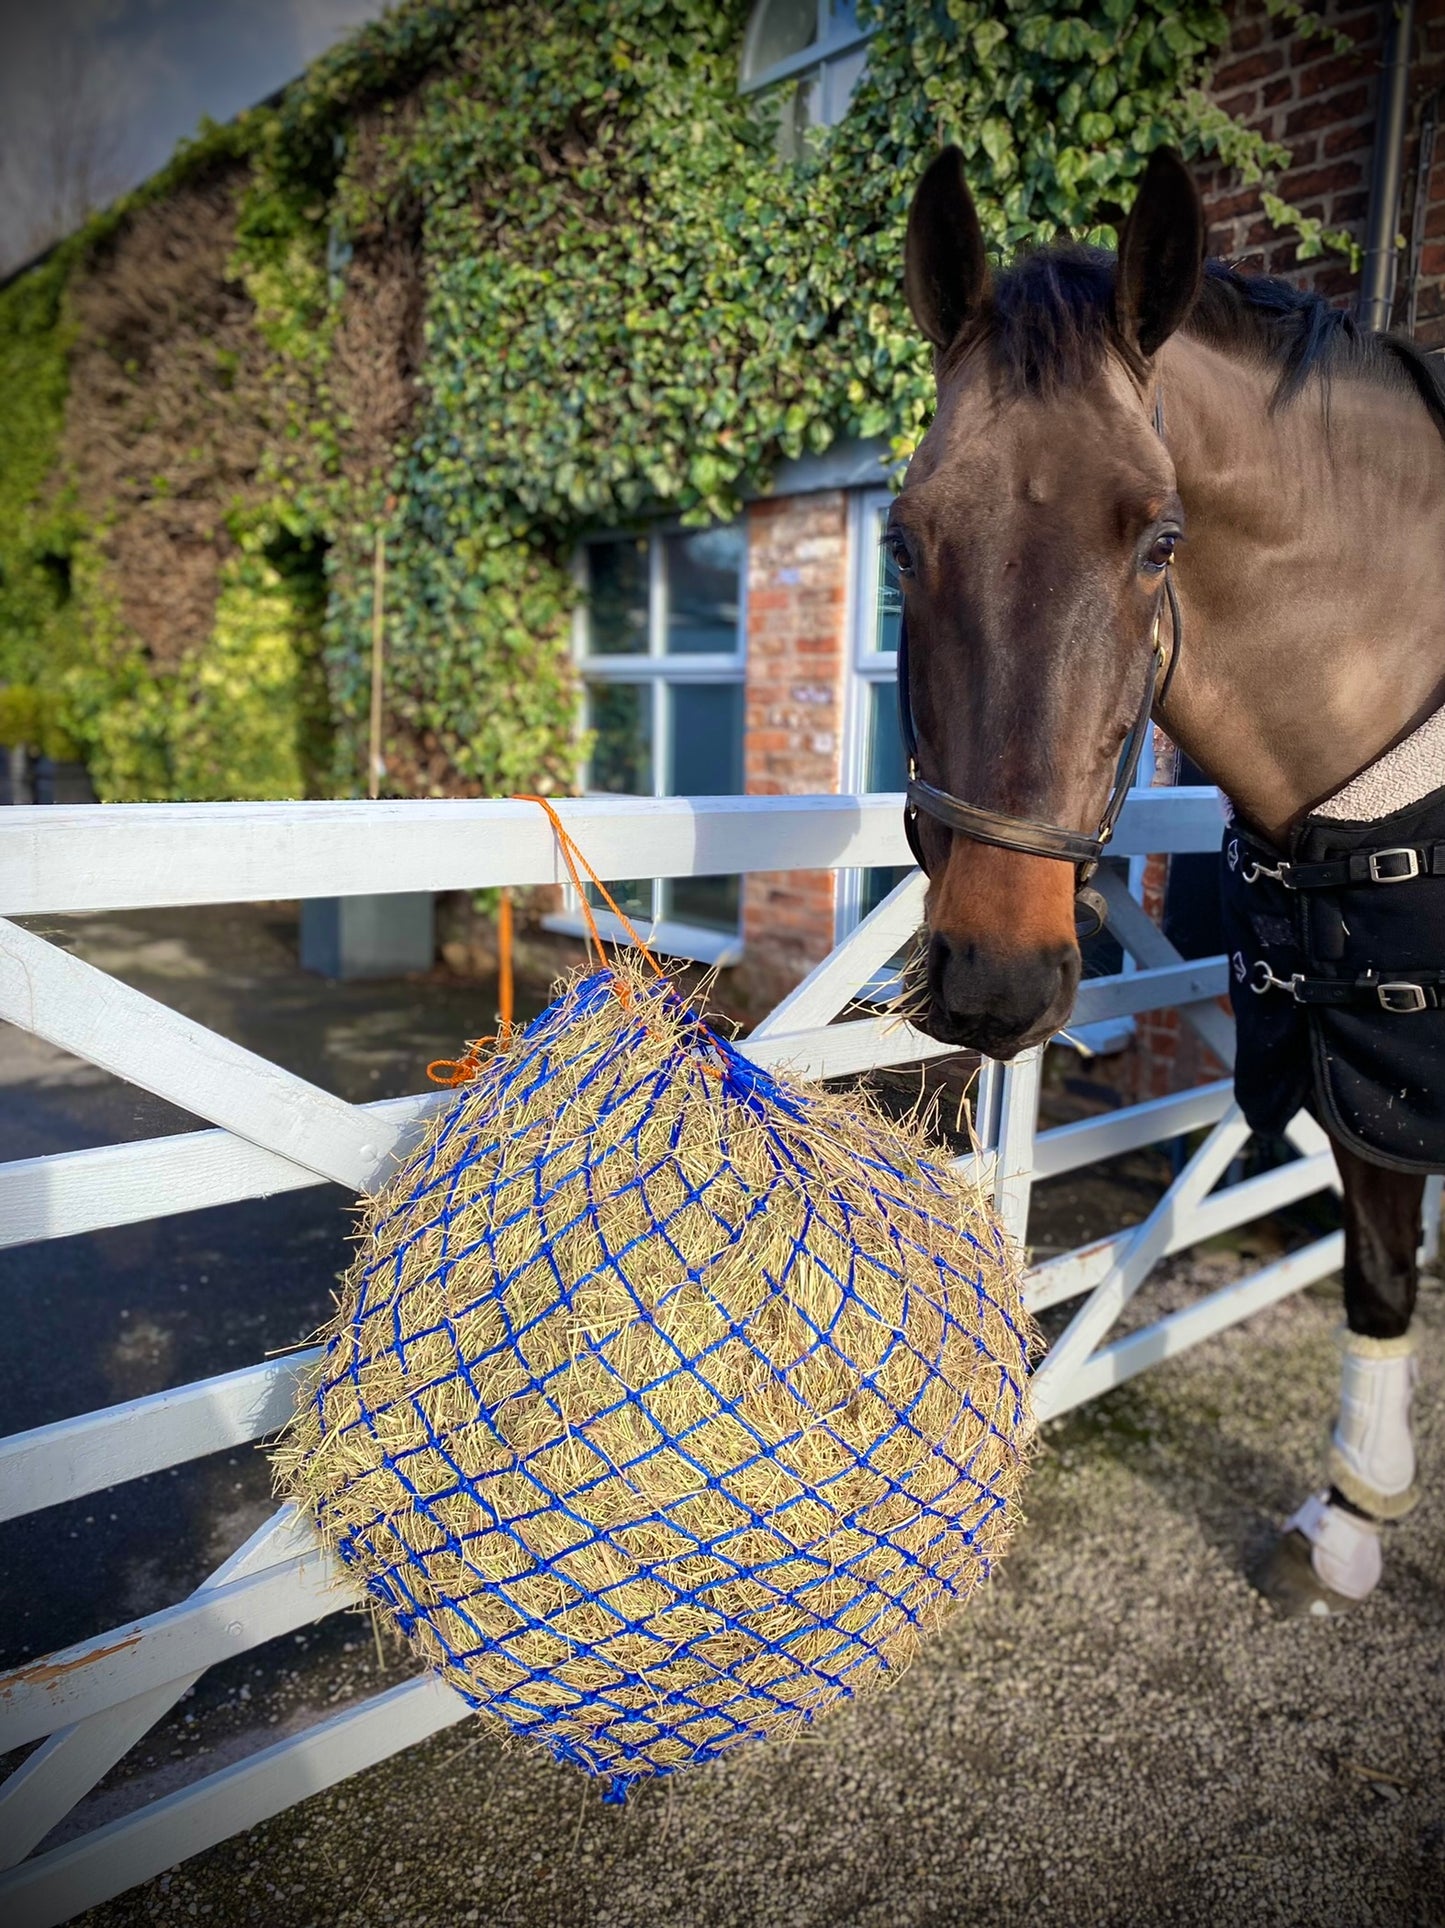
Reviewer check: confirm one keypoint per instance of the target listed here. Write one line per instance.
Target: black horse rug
(1337, 960)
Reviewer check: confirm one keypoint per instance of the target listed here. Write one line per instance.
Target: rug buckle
(1411, 866)
(1401, 998)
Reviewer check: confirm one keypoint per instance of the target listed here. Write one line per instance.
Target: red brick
(1300, 183)
(1432, 258)
(1226, 207)
(1243, 106)
(1338, 280)
(1338, 71)
(1361, 26)
(1358, 138)
(1327, 113)
(1275, 91)
(1254, 66)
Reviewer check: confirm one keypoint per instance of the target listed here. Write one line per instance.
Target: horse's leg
(1330, 1555)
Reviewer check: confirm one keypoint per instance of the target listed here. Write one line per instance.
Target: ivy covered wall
(489, 276)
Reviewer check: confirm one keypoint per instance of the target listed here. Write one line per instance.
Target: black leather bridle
(1026, 834)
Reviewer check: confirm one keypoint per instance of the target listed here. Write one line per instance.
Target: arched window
(812, 52)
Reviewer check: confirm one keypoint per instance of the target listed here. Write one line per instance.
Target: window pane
(888, 599)
(786, 27)
(799, 106)
(711, 902)
(704, 580)
(839, 78)
(706, 760)
(617, 600)
(884, 769)
(620, 716)
(633, 899)
(706, 755)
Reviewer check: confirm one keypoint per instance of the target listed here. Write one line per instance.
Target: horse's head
(1032, 535)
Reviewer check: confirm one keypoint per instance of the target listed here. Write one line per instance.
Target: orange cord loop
(459, 1071)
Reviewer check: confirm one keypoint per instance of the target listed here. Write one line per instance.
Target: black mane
(1051, 321)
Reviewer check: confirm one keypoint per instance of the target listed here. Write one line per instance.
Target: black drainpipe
(1377, 282)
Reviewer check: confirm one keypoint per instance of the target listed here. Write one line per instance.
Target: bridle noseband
(1025, 834)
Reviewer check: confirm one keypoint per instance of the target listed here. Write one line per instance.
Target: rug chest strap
(1422, 991)
(1395, 864)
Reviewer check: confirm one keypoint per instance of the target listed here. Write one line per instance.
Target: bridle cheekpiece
(1026, 834)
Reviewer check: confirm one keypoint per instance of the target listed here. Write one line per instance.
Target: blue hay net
(697, 1554)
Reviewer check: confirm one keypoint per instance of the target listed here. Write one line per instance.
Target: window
(875, 749)
(812, 52)
(660, 641)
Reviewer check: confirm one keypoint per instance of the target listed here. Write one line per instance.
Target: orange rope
(572, 857)
(504, 961)
(457, 1071)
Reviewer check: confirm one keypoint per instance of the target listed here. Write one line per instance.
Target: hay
(668, 1404)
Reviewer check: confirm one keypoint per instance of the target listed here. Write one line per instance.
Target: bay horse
(1114, 434)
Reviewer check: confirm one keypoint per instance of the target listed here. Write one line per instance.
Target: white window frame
(655, 669)
(867, 667)
(834, 39)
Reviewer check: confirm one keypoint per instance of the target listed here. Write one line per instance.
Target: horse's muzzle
(999, 1003)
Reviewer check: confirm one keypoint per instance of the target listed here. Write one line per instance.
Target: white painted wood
(1151, 949)
(1168, 1337)
(838, 1050)
(62, 1193)
(55, 1887)
(104, 857)
(1134, 1262)
(1013, 1172)
(1073, 1273)
(830, 985)
(1155, 989)
(38, 1795)
(68, 1002)
(177, 1642)
(1064, 1148)
(110, 1689)
(72, 1457)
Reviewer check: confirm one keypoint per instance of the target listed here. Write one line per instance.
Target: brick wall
(796, 690)
(1321, 103)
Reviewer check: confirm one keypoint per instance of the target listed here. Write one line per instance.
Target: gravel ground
(1119, 1731)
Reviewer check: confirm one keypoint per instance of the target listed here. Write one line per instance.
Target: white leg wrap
(1372, 1455)
(1344, 1549)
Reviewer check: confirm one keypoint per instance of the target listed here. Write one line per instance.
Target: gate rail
(273, 1132)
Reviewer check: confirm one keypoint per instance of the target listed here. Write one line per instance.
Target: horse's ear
(945, 270)
(1161, 254)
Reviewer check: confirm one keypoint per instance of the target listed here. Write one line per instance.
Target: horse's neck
(1312, 577)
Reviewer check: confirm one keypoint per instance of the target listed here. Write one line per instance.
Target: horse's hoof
(1287, 1579)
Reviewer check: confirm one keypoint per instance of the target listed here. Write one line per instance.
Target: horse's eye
(1161, 549)
(899, 554)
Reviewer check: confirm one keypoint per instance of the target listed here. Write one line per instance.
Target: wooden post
(375, 766)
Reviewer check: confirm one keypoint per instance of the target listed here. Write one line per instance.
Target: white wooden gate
(87, 1706)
